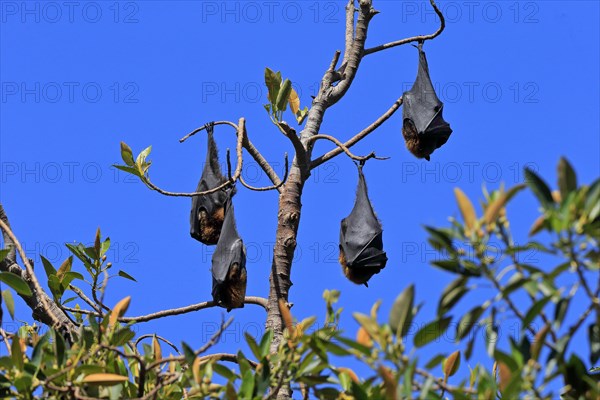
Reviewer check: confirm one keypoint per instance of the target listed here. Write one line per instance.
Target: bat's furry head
(234, 290)
(210, 226)
(359, 277)
(419, 145)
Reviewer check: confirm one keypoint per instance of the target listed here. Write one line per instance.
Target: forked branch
(420, 38)
(345, 149)
(358, 137)
(251, 149)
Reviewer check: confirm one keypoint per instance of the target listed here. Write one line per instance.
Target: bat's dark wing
(206, 215)
(229, 264)
(424, 126)
(361, 242)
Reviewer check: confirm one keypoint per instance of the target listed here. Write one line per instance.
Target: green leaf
(129, 170)
(452, 295)
(560, 311)
(441, 238)
(301, 115)
(356, 346)
(594, 339)
(431, 331)
(125, 275)
(48, 267)
(468, 321)
(253, 345)
(16, 353)
(575, 372)
(265, 343)
(283, 95)
(539, 188)
(105, 246)
(224, 371)
(141, 158)
(273, 83)
(4, 253)
(126, 154)
(9, 302)
(188, 353)
(247, 387)
(534, 311)
(506, 359)
(401, 313)
(16, 283)
(122, 336)
(567, 180)
(435, 361)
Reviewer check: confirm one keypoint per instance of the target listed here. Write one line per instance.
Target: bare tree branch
(350, 9)
(420, 38)
(252, 150)
(260, 301)
(272, 187)
(358, 137)
(151, 335)
(241, 131)
(44, 309)
(345, 149)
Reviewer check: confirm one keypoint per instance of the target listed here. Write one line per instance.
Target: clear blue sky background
(519, 80)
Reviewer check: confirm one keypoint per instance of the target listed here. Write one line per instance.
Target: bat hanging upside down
(423, 128)
(229, 264)
(361, 239)
(207, 214)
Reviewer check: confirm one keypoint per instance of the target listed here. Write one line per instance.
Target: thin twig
(420, 38)
(211, 342)
(249, 146)
(345, 149)
(241, 131)
(272, 187)
(194, 307)
(5, 338)
(444, 386)
(83, 297)
(358, 137)
(151, 335)
(260, 301)
(30, 273)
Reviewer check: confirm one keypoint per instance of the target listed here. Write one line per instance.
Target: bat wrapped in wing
(424, 128)
(229, 264)
(361, 239)
(207, 214)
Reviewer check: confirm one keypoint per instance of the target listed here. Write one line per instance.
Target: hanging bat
(424, 128)
(229, 264)
(207, 214)
(361, 241)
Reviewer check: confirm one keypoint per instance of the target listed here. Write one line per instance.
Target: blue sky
(519, 80)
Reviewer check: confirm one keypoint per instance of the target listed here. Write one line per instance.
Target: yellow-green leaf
(127, 154)
(466, 209)
(294, 101)
(119, 310)
(363, 337)
(451, 364)
(105, 379)
(286, 315)
(156, 348)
